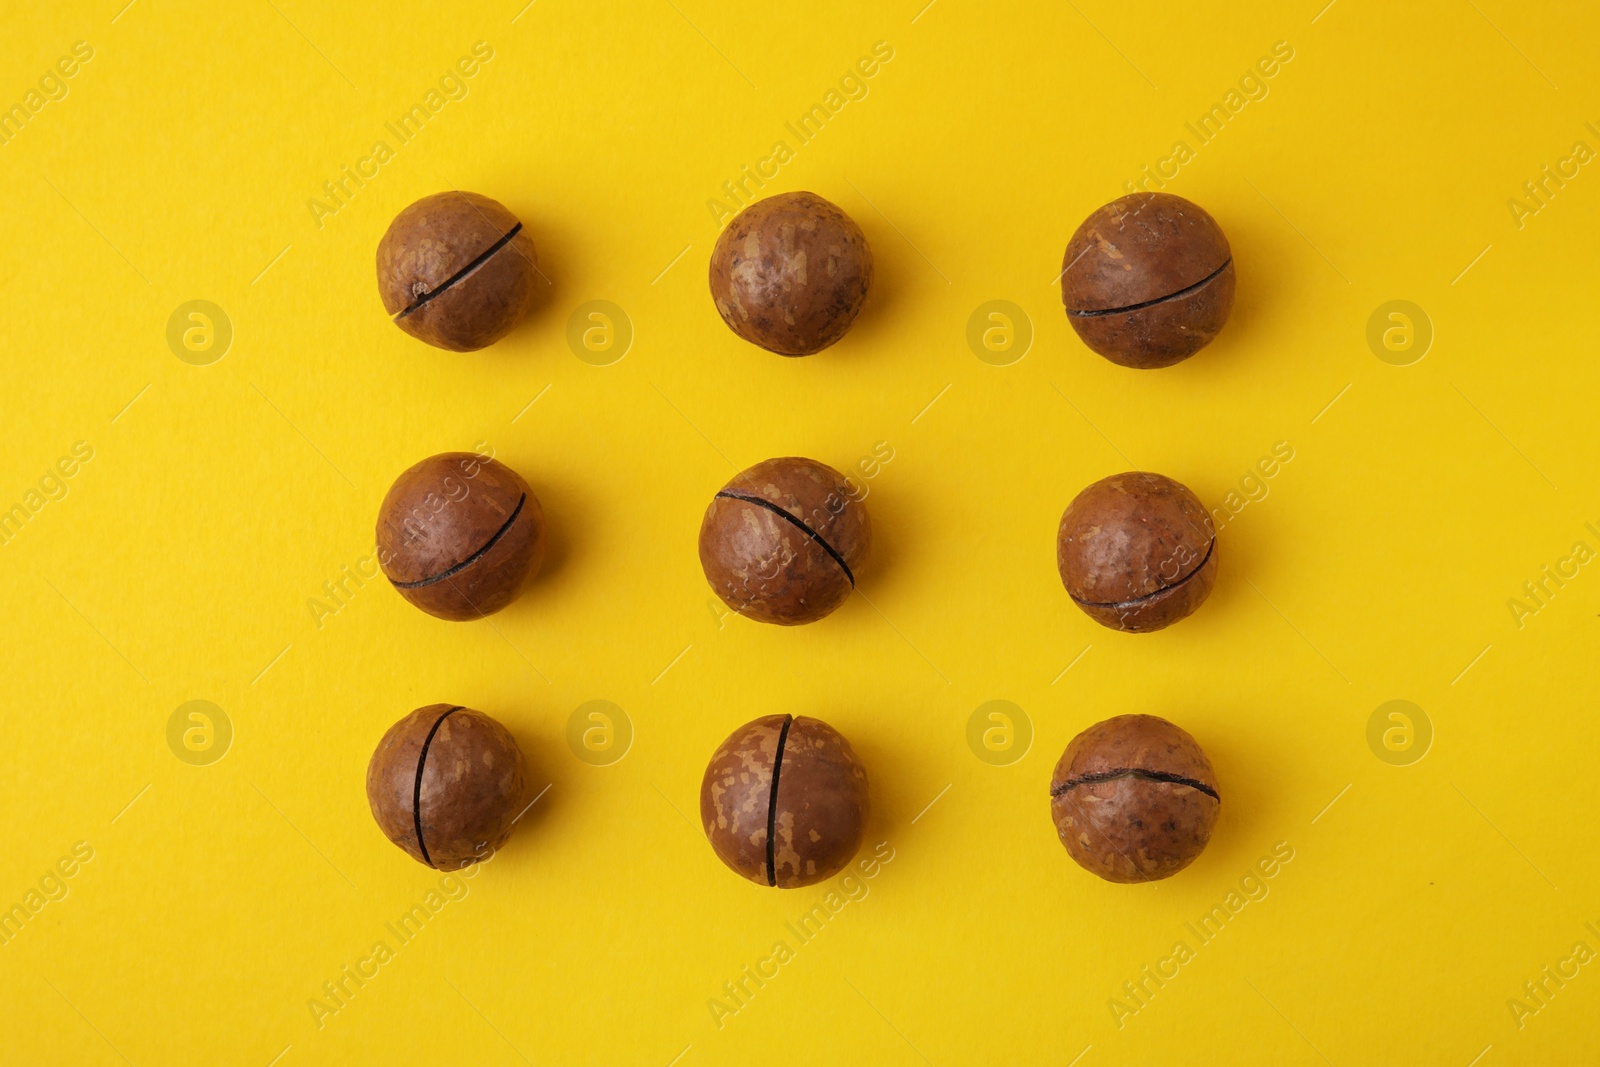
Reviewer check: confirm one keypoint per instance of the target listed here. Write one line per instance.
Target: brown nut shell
(782, 542)
(790, 273)
(456, 270)
(784, 801)
(1148, 280)
(459, 535)
(1134, 799)
(447, 785)
(1137, 551)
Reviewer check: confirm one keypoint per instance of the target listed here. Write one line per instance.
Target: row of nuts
(459, 535)
(784, 798)
(1146, 281)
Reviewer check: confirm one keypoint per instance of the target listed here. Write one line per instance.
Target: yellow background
(180, 564)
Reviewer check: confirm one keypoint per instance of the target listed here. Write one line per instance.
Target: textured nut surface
(790, 273)
(1148, 280)
(456, 270)
(1134, 799)
(736, 796)
(446, 784)
(783, 541)
(784, 801)
(459, 535)
(1137, 551)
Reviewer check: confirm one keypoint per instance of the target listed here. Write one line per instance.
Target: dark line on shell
(772, 804)
(1185, 291)
(735, 494)
(1132, 772)
(483, 257)
(450, 572)
(1148, 596)
(416, 788)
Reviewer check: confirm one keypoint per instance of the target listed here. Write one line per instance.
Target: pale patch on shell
(783, 852)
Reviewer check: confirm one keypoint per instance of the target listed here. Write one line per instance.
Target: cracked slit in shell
(772, 803)
(1120, 773)
(1095, 313)
(423, 295)
(456, 568)
(416, 788)
(1113, 604)
(800, 524)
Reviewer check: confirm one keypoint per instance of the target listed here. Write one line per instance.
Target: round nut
(1137, 551)
(783, 541)
(790, 273)
(1134, 799)
(456, 270)
(447, 784)
(784, 801)
(1148, 280)
(459, 535)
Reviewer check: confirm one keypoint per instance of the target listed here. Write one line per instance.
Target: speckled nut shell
(783, 541)
(456, 270)
(1137, 551)
(459, 535)
(784, 801)
(1134, 799)
(447, 784)
(1148, 280)
(790, 273)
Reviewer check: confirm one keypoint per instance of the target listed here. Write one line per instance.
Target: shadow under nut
(446, 784)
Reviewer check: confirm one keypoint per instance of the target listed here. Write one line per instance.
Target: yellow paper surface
(1438, 154)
